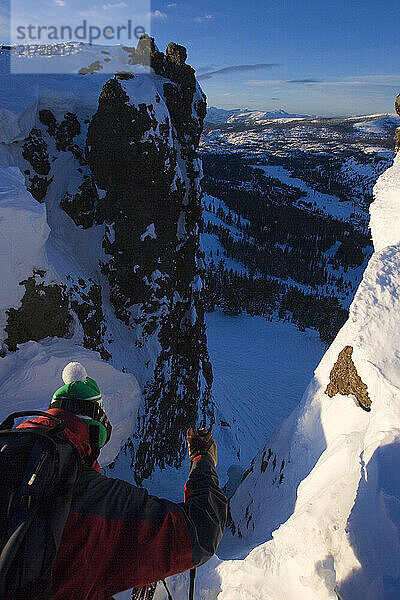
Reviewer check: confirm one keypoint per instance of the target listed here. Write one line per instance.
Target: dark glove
(200, 443)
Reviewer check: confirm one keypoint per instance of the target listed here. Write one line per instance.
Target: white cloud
(203, 19)
(157, 14)
(264, 82)
(365, 80)
(172, 5)
(60, 2)
(380, 80)
(110, 6)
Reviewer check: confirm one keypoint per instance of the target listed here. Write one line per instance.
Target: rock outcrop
(149, 171)
(116, 167)
(345, 380)
(43, 313)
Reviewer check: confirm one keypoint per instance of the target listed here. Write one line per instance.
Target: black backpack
(38, 471)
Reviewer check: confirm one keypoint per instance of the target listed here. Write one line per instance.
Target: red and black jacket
(118, 537)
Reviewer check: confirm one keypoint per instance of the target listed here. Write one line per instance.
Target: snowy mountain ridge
(220, 115)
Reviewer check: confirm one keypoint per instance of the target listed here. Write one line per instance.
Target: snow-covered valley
(261, 369)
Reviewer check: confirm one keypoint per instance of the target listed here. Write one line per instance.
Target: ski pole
(202, 432)
(191, 587)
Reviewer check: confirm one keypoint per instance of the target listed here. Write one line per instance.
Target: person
(117, 536)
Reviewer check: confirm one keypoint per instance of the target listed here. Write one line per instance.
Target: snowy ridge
(379, 126)
(320, 504)
(385, 211)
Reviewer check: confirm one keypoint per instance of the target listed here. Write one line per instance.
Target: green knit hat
(79, 386)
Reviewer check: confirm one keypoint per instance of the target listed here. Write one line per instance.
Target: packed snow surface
(385, 211)
(261, 369)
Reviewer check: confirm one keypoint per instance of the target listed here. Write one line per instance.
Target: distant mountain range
(377, 124)
(238, 115)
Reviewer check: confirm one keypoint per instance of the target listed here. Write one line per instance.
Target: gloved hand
(200, 443)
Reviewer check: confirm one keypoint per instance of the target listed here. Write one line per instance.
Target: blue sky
(305, 56)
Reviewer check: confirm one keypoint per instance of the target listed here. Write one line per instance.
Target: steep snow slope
(261, 369)
(24, 232)
(321, 503)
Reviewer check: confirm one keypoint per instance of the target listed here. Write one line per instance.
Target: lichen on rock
(345, 380)
(397, 141)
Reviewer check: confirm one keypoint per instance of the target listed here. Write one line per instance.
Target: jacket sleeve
(133, 539)
(205, 509)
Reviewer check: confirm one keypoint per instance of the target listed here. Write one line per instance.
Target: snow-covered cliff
(99, 237)
(317, 515)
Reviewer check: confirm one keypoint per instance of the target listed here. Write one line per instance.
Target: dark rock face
(48, 119)
(172, 65)
(38, 187)
(94, 67)
(345, 380)
(154, 250)
(82, 206)
(86, 302)
(66, 131)
(34, 151)
(44, 312)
